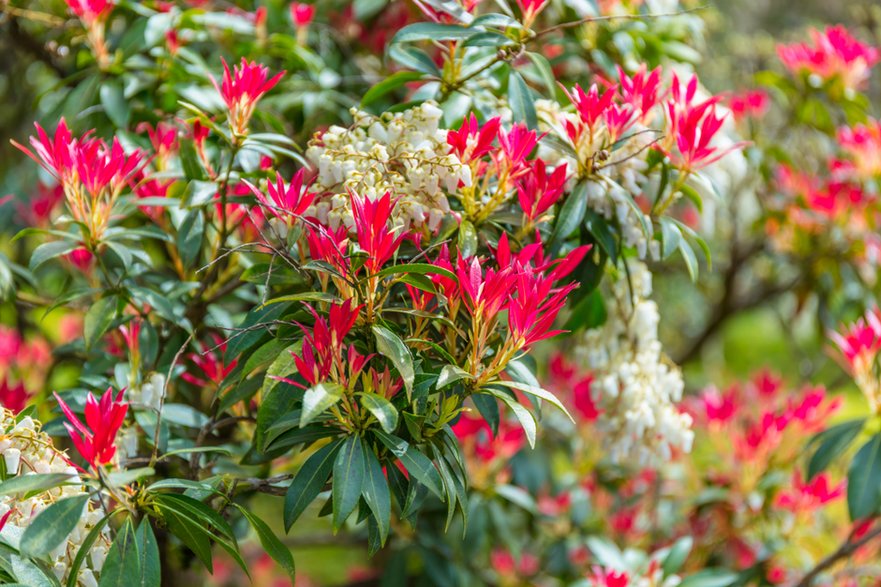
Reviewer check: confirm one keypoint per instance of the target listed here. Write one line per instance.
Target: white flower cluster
(404, 153)
(634, 384)
(26, 450)
(618, 178)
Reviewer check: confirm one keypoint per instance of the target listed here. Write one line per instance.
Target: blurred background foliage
(717, 344)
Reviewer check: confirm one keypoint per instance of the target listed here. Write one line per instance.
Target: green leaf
(676, 556)
(393, 348)
(450, 374)
(423, 470)
(365, 9)
(117, 108)
(35, 483)
(606, 552)
(52, 526)
(864, 480)
(571, 214)
(126, 476)
(397, 445)
(588, 313)
(488, 39)
(250, 334)
(50, 250)
(832, 443)
(429, 31)
(375, 491)
(348, 479)
(388, 85)
(122, 564)
(148, 555)
(413, 58)
(671, 236)
(524, 416)
(690, 260)
(190, 161)
(192, 534)
(543, 66)
(420, 268)
(193, 508)
(317, 399)
(537, 392)
(271, 544)
(382, 409)
(521, 101)
(86, 548)
(197, 526)
(467, 239)
(309, 482)
(306, 296)
(189, 237)
(31, 574)
(98, 319)
(710, 578)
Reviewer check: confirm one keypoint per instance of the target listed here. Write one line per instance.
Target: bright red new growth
(302, 14)
(210, 366)
(13, 397)
(287, 203)
(374, 235)
(96, 439)
(538, 191)
(834, 53)
(472, 140)
(693, 126)
(90, 11)
(242, 88)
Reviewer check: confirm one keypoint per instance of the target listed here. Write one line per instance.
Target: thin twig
(848, 547)
(589, 19)
(158, 430)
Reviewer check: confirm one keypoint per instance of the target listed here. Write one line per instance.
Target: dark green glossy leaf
(36, 483)
(148, 555)
(123, 566)
(381, 409)
(831, 443)
(388, 85)
(98, 319)
(864, 480)
(348, 479)
(271, 544)
(50, 250)
(318, 399)
(52, 526)
(429, 31)
(309, 481)
(375, 491)
(393, 348)
(189, 237)
(521, 101)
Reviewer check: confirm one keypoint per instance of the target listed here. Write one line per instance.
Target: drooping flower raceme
(26, 450)
(634, 385)
(405, 154)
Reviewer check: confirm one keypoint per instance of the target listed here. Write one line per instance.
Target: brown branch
(729, 304)
(848, 547)
(21, 39)
(590, 19)
(267, 485)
